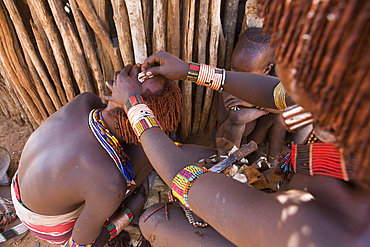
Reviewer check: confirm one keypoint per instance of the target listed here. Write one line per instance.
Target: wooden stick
(28, 46)
(123, 31)
(213, 48)
(89, 49)
(39, 86)
(47, 22)
(137, 30)
(20, 113)
(159, 25)
(173, 27)
(100, 9)
(48, 58)
(187, 51)
(14, 53)
(147, 8)
(222, 49)
(11, 108)
(73, 47)
(229, 25)
(98, 26)
(213, 116)
(202, 53)
(26, 101)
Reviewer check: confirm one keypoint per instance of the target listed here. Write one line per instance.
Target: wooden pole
(222, 49)
(213, 116)
(159, 25)
(73, 47)
(48, 24)
(123, 31)
(48, 58)
(14, 95)
(229, 25)
(28, 46)
(89, 49)
(137, 30)
(173, 27)
(25, 100)
(213, 48)
(202, 54)
(15, 57)
(147, 8)
(188, 15)
(39, 86)
(11, 103)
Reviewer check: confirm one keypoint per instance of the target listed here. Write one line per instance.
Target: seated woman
(83, 162)
(322, 62)
(254, 54)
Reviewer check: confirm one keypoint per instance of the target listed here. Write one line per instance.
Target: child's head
(253, 53)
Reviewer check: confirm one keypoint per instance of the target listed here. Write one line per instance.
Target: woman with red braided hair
(323, 64)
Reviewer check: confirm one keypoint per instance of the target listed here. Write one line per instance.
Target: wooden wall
(53, 50)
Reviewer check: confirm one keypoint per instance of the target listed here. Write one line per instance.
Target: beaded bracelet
(145, 123)
(132, 101)
(184, 180)
(127, 211)
(141, 118)
(138, 111)
(112, 229)
(279, 97)
(206, 75)
(72, 243)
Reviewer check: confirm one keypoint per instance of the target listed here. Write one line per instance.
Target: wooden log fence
(62, 48)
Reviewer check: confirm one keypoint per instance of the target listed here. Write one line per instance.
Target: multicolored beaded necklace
(110, 143)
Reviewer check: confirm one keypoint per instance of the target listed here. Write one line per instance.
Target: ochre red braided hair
(327, 44)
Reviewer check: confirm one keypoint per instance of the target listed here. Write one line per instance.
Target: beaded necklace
(288, 166)
(319, 159)
(110, 143)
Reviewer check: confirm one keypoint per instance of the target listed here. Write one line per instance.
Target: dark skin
(310, 211)
(63, 166)
(248, 121)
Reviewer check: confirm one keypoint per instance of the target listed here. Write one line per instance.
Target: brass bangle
(279, 97)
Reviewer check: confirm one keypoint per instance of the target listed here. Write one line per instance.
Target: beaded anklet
(72, 243)
(184, 180)
(206, 75)
(279, 97)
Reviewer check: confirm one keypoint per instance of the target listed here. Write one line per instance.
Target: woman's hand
(124, 85)
(166, 64)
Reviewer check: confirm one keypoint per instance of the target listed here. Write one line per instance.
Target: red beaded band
(193, 72)
(206, 75)
(132, 101)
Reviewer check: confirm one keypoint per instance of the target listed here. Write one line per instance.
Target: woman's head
(322, 49)
(163, 96)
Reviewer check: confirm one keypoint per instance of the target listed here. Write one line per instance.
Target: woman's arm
(253, 88)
